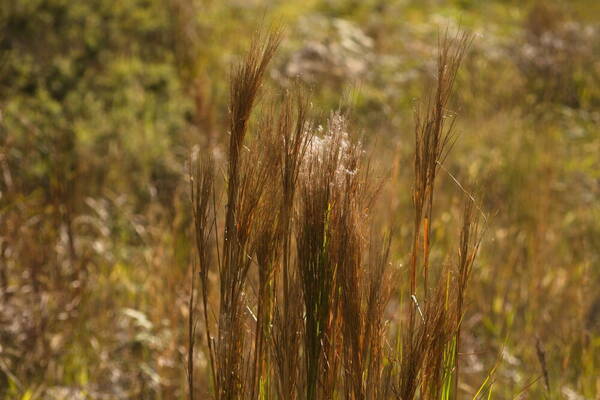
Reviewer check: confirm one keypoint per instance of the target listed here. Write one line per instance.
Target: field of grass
(319, 199)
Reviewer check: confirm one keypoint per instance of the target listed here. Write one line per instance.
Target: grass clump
(303, 277)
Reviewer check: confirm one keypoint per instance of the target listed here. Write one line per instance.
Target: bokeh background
(103, 101)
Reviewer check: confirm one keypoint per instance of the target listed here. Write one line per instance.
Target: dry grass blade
(246, 180)
(245, 185)
(294, 136)
(266, 248)
(470, 239)
(379, 291)
(428, 347)
(320, 193)
(201, 189)
(433, 141)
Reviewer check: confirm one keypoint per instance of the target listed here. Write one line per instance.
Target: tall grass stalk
(303, 274)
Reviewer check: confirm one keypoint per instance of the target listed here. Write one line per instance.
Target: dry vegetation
(351, 207)
(319, 270)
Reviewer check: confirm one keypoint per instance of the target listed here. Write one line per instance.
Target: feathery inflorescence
(303, 275)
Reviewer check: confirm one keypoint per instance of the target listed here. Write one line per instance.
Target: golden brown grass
(298, 233)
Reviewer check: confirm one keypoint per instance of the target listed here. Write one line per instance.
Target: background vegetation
(102, 102)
